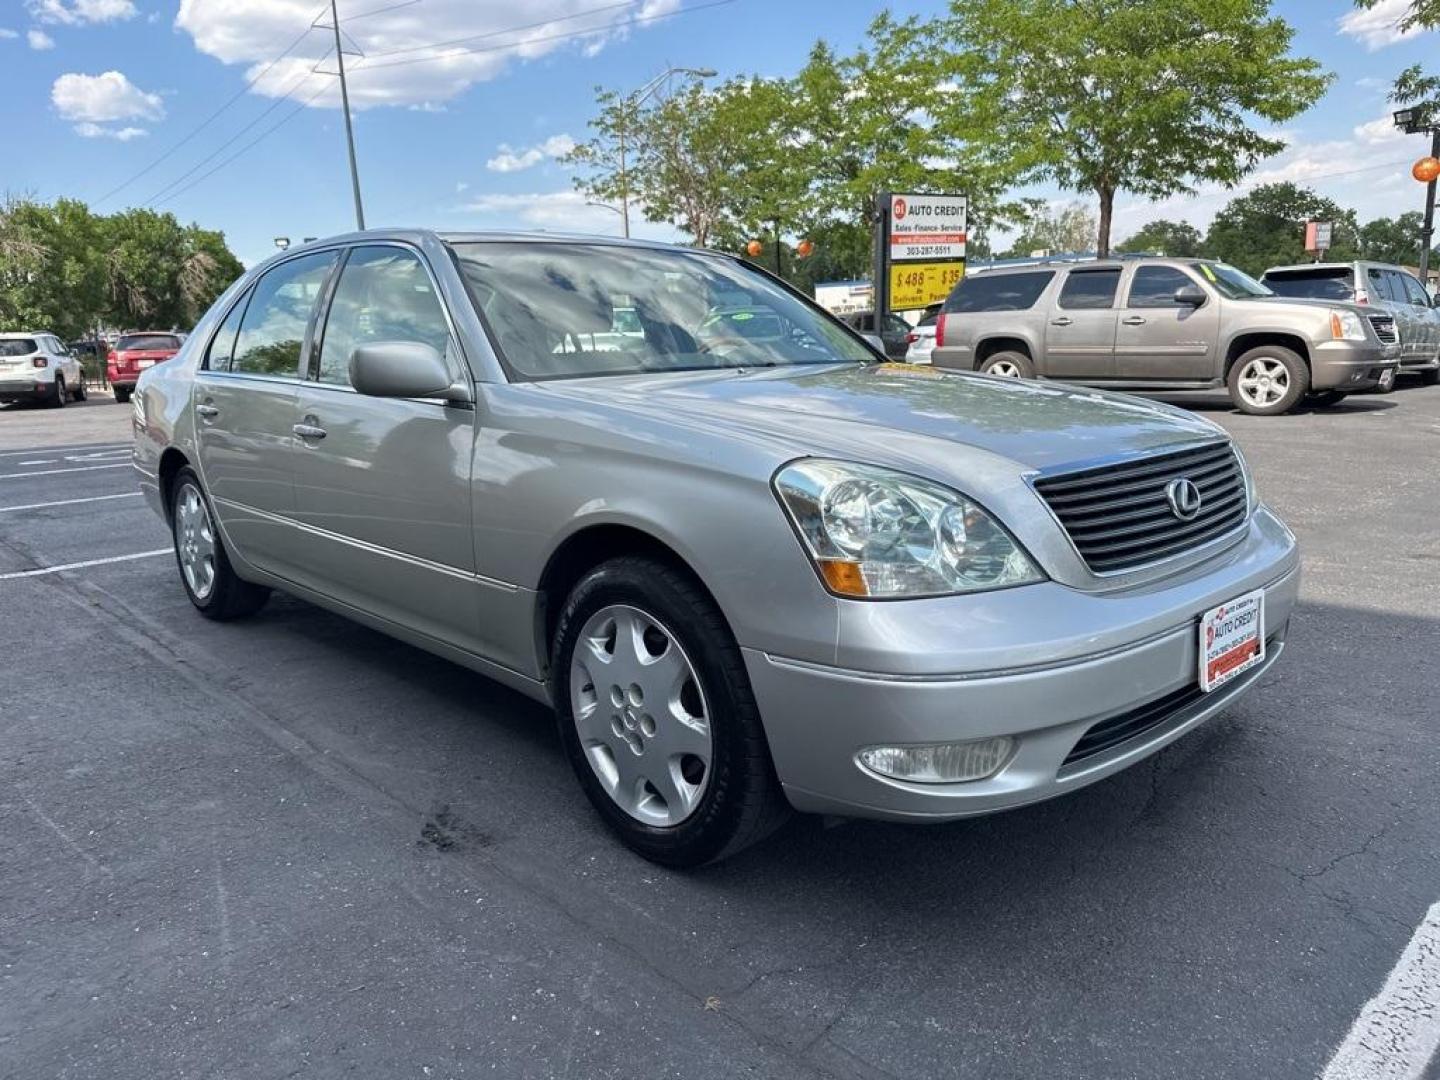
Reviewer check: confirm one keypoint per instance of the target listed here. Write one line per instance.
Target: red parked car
(132, 354)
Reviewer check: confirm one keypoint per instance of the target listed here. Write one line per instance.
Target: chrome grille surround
(1118, 518)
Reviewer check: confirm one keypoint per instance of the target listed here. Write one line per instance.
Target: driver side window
(384, 294)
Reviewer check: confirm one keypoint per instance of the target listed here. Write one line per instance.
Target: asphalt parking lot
(293, 847)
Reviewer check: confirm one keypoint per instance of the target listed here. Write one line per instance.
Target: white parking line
(1398, 1031)
(53, 472)
(81, 565)
(64, 449)
(70, 502)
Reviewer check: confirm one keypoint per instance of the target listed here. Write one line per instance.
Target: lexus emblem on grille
(1184, 498)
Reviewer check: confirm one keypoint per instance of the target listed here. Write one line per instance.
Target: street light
(604, 206)
(631, 101)
(282, 242)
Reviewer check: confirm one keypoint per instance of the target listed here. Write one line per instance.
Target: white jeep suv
(38, 367)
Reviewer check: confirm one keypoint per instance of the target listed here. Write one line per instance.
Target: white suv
(38, 367)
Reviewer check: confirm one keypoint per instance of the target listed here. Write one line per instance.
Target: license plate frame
(1231, 639)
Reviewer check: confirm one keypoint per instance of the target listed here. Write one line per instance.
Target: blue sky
(99, 90)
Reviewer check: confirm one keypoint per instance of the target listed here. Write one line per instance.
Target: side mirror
(403, 369)
(1190, 296)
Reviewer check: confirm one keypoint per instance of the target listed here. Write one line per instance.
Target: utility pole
(632, 102)
(349, 130)
(1427, 234)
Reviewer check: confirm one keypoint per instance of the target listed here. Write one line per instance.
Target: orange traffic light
(754, 248)
(1426, 169)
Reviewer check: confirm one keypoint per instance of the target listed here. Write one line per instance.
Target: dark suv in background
(1165, 325)
(1392, 289)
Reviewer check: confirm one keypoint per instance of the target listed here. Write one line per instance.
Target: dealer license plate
(1232, 639)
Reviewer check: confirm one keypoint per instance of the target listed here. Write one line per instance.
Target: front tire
(1430, 376)
(1008, 364)
(210, 581)
(1324, 399)
(658, 718)
(1268, 380)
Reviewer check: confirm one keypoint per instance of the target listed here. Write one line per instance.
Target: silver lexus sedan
(752, 566)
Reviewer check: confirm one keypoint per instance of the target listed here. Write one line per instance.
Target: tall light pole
(633, 101)
(349, 130)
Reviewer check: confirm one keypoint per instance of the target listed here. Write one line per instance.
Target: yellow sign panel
(920, 284)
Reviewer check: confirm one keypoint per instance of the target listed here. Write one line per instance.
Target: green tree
(1393, 240)
(1266, 227)
(1421, 14)
(1064, 230)
(1105, 96)
(1178, 239)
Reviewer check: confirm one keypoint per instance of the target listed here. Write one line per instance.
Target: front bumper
(1352, 365)
(1142, 650)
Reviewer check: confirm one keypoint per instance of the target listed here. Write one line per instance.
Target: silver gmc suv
(1166, 324)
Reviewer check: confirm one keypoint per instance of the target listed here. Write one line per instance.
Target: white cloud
(511, 160)
(563, 211)
(39, 40)
(81, 12)
(88, 130)
(1381, 132)
(498, 34)
(1378, 26)
(4, 34)
(101, 98)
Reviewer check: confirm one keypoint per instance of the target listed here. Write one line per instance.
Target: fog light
(940, 763)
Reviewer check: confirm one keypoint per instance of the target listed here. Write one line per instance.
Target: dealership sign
(921, 248)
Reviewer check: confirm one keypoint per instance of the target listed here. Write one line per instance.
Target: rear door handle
(308, 431)
(1063, 320)
(1134, 320)
(209, 412)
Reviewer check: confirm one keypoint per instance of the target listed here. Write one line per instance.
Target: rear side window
(147, 342)
(1154, 286)
(273, 327)
(1414, 292)
(222, 345)
(998, 292)
(1381, 288)
(1089, 289)
(17, 346)
(384, 294)
(1329, 283)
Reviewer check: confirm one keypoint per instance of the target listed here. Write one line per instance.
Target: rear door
(1423, 320)
(382, 485)
(1080, 333)
(1387, 293)
(1162, 341)
(244, 402)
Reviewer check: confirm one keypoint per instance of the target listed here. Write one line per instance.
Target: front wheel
(210, 581)
(1268, 380)
(1323, 399)
(657, 716)
(1009, 365)
(1430, 376)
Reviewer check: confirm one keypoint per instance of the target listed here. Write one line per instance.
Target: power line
(548, 37)
(512, 29)
(211, 118)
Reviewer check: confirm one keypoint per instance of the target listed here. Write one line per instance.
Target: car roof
(11, 335)
(1310, 266)
(1093, 264)
(451, 236)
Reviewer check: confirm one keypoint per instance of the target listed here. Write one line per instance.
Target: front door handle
(1134, 320)
(209, 412)
(308, 431)
(1063, 320)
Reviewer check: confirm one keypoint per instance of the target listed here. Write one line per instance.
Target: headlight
(876, 533)
(1346, 326)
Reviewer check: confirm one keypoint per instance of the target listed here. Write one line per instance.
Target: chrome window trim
(1196, 554)
(373, 549)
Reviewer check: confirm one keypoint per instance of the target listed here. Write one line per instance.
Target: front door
(244, 402)
(1161, 341)
(1422, 317)
(382, 485)
(1080, 334)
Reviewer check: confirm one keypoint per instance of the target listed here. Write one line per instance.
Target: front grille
(1385, 328)
(1118, 516)
(1114, 730)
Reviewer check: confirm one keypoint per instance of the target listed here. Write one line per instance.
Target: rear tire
(59, 395)
(627, 739)
(1430, 376)
(210, 581)
(1008, 364)
(82, 392)
(122, 395)
(1268, 380)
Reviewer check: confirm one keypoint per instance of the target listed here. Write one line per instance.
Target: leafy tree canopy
(1266, 227)
(1421, 14)
(1064, 230)
(1178, 239)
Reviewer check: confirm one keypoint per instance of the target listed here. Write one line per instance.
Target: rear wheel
(59, 395)
(1430, 376)
(1008, 364)
(657, 715)
(211, 583)
(122, 395)
(1268, 380)
(82, 392)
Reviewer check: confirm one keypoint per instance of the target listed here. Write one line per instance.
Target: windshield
(147, 342)
(16, 346)
(561, 310)
(1230, 283)
(1329, 284)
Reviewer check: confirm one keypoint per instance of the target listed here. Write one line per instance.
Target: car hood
(902, 412)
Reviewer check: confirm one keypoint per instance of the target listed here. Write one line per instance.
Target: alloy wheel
(195, 541)
(1264, 381)
(641, 715)
(1004, 368)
